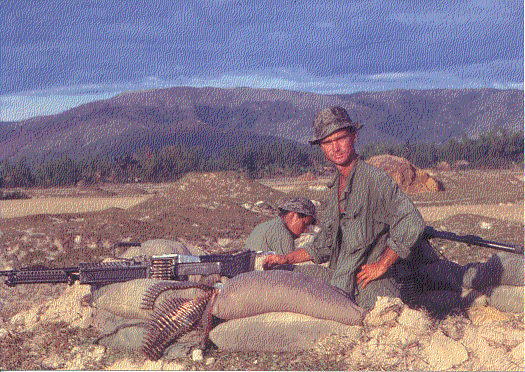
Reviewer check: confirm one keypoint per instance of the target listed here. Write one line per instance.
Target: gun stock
(430, 233)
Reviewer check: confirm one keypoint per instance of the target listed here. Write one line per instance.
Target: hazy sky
(58, 54)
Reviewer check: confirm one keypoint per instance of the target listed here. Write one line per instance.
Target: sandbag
(124, 299)
(317, 271)
(128, 335)
(259, 292)
(277, 332)
(507, 268)
(157, 247)
(506, 298)
(117, 332)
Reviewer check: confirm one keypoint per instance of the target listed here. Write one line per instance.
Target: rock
(150, 365)
(196, 355)
(480, 315)
(124, 365)
(402, 336)
(54, 362)
(443, 166)
(501, 335)
(68, 308)
(409, 178)
(417, 321)
(385, 311)
(517, 353)
(173, 366)
(444, 353)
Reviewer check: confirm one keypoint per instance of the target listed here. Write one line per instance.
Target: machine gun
(430, 233)
(163, 267)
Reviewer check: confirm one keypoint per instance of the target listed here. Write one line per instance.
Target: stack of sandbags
(281, 311)
(118, 311)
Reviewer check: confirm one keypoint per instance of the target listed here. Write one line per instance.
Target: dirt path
(508, 212)
(53, 205)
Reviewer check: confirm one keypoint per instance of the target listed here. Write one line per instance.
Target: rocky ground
(216, 212)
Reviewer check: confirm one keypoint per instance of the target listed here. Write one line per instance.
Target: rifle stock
(430, 233)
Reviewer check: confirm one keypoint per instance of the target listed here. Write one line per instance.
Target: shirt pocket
(353, 228)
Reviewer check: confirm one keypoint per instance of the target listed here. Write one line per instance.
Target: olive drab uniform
(375, 214)
(270, 236)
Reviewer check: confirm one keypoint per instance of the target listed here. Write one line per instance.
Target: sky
(55, 55)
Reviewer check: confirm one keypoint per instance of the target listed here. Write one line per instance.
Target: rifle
(163, 267)
(430, 233)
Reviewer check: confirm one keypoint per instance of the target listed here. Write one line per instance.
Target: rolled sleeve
(319, 250)
(405, 222)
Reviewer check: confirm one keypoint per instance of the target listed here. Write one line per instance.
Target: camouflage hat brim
(331, 129)
(329, 121)
(300, 205)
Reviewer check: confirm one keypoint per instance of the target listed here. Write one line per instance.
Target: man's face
(298, 224)
(339, 147)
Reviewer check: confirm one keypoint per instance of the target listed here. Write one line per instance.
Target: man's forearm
(297, 256)
(388, 258)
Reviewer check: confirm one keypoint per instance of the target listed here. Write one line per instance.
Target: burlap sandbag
(157, 247)
(259, 292)
(124, 299)
(277, 332)
(506, 297)
(507, 267)
(117, 332)
(128, 335)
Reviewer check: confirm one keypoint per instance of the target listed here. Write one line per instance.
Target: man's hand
(376, 270)
(274, 260)
(370, 272)
(299, 255)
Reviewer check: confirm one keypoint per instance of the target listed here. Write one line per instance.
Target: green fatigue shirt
(376, 214)
(271, 235)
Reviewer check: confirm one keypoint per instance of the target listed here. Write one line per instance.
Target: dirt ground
(65, 226)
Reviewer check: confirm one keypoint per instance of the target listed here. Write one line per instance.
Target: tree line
(495, 149)
(498, 148)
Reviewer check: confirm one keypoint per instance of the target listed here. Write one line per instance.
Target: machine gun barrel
(430, 233)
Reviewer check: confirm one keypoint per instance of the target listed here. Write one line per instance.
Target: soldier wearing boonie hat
(299, 205)
(367, 225)
(278, 234)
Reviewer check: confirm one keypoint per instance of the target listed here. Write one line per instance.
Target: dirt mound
(443, 166)
(308, 176)
(132, 190)
(409, 178)
(207, 204)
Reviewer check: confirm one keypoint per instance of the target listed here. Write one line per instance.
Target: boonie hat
(300, 205)
(329, 121)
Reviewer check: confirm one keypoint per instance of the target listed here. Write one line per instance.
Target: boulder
(409, 178)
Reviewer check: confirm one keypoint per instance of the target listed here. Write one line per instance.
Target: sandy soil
(55, 205)
(508, 212)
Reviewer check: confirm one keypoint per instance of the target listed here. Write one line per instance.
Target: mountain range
(214, 118)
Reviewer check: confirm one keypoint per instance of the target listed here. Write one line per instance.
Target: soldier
(371, 231)
(278, 234)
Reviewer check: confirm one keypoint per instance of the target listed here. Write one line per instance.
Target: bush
(13, 195)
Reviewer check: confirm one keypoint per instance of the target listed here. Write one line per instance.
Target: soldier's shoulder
(374, 173)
